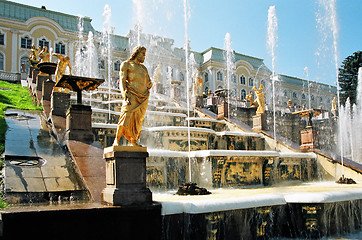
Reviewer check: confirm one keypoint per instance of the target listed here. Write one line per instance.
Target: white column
(14, 50)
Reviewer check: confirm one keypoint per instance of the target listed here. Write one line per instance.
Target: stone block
(126, 178)
(79, 123)
(60, 102)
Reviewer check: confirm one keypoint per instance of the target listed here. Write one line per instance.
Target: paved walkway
(35, 162)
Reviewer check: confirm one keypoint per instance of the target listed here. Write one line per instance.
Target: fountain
(259, 189)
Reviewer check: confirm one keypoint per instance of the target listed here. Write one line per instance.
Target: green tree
(348, 77)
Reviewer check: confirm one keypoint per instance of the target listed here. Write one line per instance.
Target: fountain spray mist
(186, 17)
(272, 42)
(229, 57)
(106, 49)
(327, 22)
(306, 72)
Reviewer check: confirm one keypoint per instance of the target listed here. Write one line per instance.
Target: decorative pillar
(126, 176)
(79, 123)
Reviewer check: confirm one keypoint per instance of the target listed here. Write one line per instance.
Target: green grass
(13, 96)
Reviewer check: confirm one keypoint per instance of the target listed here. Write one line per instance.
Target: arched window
(206, 77)
(242, 94)
(181, 77)
(43, 43)
(312, 97)
(233, 78)
(285, 93)
(116, 65)
(219, 76)
(1, 61)
(251, 81)
(263, 82)
(303, 96)
(295, 95)
(26, 42)
(60, 48)
(24, 65)
(101, 64)
(2, 38)
(242, 80)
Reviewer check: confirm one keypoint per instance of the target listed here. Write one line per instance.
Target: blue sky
(301, 42)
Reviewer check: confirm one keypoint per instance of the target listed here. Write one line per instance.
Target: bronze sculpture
(135, 85)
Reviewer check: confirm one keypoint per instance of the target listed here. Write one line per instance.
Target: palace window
(242, 80)
(285, 93)
(295, 95)
(101, 64)
(219, 87)
(219, 76)
(251, 81)
(2, 39)
(263, 82)
(43, 43)
(312, 97)
(233, 78)
(303, 96)
(26, 42)
(1, 61)
(24, 62)
(181, 76)
(117, 66)
(60, 48)
(206, 77)
(243, 94)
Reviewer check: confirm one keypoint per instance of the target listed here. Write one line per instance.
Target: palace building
(21, 26)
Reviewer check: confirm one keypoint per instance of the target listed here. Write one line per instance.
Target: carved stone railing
(10, 77)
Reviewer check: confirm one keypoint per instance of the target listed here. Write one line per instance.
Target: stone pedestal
(126, 176)
(46, 98)
(307, 139)
(39, 87)
(60, 102)
(79, 123)
(259, 122)
(34, 75)
(222, 110)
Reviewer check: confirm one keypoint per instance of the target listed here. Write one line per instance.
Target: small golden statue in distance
(135, 85)
(34, 53)
(197, 86)
(63, 62)
(250, 98)
(157, 74)
(44, 55)
(334, 106)
(260, 100)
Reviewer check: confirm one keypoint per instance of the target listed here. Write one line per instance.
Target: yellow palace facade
(23, 25)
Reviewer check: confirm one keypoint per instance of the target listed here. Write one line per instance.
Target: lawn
(13, 96)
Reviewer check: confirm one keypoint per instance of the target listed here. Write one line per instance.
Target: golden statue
(44, 55)
(260, 100)
(334, 106)
(34, 53)
(249, 98)
(157, 74)
(198, 85)
(63, 62)
(135, 85)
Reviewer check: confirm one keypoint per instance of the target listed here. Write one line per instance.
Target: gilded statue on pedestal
(260, 100)
(135, 85)
(63, 62)
(44, 55)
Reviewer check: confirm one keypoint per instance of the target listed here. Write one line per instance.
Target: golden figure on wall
(250, 98)
(260, 100)
(135, 85)
(63, 62)
(44, 55)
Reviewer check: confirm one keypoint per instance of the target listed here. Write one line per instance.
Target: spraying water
(229, 57)
(106, 50)
(272, 42)
(306, 72)
(186, 17)
(327, 23)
